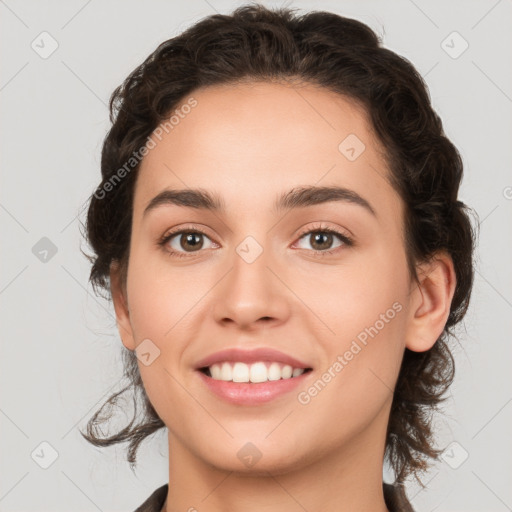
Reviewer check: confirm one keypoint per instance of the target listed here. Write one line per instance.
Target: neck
(349, 479)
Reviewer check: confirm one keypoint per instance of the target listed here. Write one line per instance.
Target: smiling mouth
(260, 371)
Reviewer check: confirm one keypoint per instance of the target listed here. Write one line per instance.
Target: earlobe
(119, 300)
(431, 302)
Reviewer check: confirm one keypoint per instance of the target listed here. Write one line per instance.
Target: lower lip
(244, 393)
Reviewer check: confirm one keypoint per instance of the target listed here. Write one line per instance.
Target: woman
(279, 229)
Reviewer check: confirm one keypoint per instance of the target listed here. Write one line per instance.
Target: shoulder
(155, 501)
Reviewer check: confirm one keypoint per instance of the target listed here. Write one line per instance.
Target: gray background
(60, 353)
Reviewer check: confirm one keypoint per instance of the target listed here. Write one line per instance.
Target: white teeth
(216, 372)
(274, 372)
(227, 372)
(297, 372)
(240, 372)
(287, 371)
(256, 372)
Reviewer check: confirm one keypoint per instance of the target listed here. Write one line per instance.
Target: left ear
(431, 300)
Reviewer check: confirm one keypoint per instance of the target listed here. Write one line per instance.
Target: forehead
(251, 141)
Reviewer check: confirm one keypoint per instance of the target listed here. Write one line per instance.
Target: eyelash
(347, 241)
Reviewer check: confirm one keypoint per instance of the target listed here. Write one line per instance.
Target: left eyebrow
(310, 196)
(299, 197)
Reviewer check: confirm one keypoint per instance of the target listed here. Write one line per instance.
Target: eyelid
(320, 226)
(184, 228)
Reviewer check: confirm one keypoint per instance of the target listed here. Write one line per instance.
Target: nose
(253, 294)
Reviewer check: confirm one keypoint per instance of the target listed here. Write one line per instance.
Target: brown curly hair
(342, 55)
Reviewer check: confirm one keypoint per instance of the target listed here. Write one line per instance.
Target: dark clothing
(156, 501)
(394, 496)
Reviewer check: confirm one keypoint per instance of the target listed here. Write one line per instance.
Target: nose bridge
(251, 291)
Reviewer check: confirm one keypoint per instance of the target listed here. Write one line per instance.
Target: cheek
(160, 302)
(161, 298)
(351, 298)
(356, 383)
(365, 309)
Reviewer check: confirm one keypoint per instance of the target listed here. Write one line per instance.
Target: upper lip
(251, 356)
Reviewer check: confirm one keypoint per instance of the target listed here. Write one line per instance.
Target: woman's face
(261, 276)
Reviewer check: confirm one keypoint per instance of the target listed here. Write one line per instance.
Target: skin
(249, 143)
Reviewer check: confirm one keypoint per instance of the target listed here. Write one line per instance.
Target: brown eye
(321, 240)
(182, 242)
(191, 240)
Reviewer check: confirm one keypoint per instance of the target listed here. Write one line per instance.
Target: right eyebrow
(190, 198)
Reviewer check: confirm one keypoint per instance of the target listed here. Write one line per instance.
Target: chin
(252, 459)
